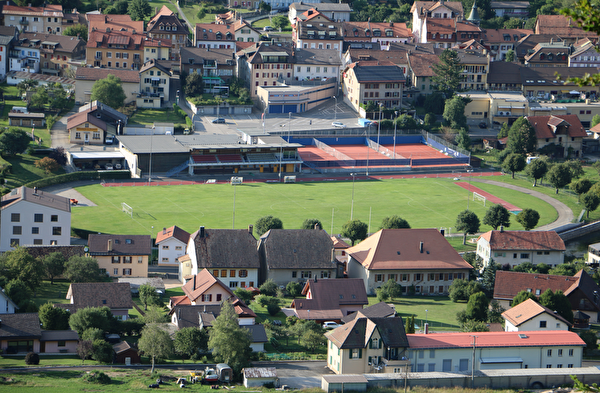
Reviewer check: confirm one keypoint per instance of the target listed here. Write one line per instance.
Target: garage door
(275, 108)
(290, 108)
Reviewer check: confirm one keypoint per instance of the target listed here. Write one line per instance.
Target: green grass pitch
(424, 203)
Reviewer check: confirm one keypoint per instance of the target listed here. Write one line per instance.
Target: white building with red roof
(172, 244)
(516, 247)
(454, 352)
(530, 315)
(418, 258)
(46, 19)
(211, 35)
(564, 131)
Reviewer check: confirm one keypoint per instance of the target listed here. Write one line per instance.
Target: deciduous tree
(54, 318)
(48, 164)
(14, 141)
(82, 269)
(467, 222)
(194, 85)
(514, 163)
(54, 264)
(243, 294)
(463, 140)
(92, 317)
(521, 297)
(280, 22)
(139, 9)
(310, 223)
(580, 187)
(156, 343)
(148, 296)
(454, 112)
(355, 230)
(576, 168)
(78, 30)
(477, 307)
(394, 222)
(528, 218)
(109, 91)
(19, 264)
(293, 288)
(190, 341)
(537, 169)
(266, 223)
(496, 216)
(268, 288)
(559, 176)
(591, 200)
(557, 301)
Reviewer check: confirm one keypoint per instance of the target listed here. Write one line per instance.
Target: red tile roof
(211, 30)
(509, 284)
(560, 25)
(175, 232)
(85, 117)
(325, 297)
(421, 65)
(543, 129)
(114, 22)
(93, 74)
(339, 244)
(200, 283)
(527, 310)
(524, 240)
(494, 339)
(49, 10)
(399, 30)
(393, 249)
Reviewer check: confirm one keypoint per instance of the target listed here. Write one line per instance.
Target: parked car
(483, 124)
(330, 325)
(110, 139)
(267, 28)
(218, 120)
(338, 124)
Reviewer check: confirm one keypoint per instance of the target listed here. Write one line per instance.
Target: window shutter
(350, 354)
(380, 344)
(371, 344)
(360, 353)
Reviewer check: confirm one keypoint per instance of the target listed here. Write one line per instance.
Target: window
(35, 230)
(15, 217)
(116, 271)
(116, 259)
(216, 273)
(306, 274)
(56, 231)
(571, 353)
(243, 273)
(38, 217)
(178, 248)
(569, 366)
(548, 366)
(17, 230)
(542, 324)
(127, 272)
(560, 353)
(14, 242)
(379, 277)
(207, 298)
(524, 255)
(219, 297)
(127, 259)
(356, 353)
(54, 218)
(38, 242)
(294, 274)
(432, 354)
(223, 273)
(233, 284)
(549, 353)
(165, 259)
(140, 259)
(232, 273)
(165, 247)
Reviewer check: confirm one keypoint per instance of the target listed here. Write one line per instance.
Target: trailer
(224, 372)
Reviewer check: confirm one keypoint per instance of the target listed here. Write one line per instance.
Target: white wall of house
(169, 250)
(543, 321)
(6, 306)
(257, 347)
(304, 71)
(517, 257)
(284, 276)
(55, 227)
(235, 277)
(460, 359)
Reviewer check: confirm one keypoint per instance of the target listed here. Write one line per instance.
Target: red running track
(298, 180)
(489, 197)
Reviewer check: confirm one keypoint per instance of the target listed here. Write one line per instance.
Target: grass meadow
(424, 203)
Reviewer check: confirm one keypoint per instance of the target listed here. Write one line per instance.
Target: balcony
(98, 57)
(146, 94)
(24, 22)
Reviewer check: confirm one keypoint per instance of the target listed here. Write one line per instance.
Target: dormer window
(168, 28)
(542, 56)
(161, 27)
(550, 56)
(389, 33)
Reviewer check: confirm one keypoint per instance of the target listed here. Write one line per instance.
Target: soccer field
(424, 203)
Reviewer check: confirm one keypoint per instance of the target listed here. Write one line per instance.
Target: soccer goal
(479, 197)
(235, 180)
(127, 209)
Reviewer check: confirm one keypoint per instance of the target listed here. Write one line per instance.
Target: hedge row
(76, 176)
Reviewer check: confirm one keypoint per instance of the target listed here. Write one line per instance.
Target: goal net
(235, 180)
(479, 197)
(127, 209)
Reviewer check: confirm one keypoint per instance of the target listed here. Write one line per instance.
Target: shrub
(96, 377)
(32, 358)
(273, 309)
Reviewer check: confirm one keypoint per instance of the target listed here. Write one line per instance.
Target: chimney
(250, 228)
(501, 228)
(201, 234)
(421, 247)
(443, 232)
(164, 231)
(110, 245)
(204, 309)
(35, 190)
(317, 226)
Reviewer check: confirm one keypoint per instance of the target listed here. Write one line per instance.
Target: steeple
(474, 17)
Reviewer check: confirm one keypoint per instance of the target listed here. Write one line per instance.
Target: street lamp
(335, 108)
(395, 126)
(368, 145)
(379, 124)
(352, 206)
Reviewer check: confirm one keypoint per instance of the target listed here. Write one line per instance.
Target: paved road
(565, 215)
(58, 133)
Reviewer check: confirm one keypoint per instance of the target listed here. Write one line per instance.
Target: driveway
(565, 215)
(58, 133)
